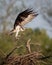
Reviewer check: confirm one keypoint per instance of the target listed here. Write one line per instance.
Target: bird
(23, 18)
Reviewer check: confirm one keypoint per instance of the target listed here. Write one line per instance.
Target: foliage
(39, 42)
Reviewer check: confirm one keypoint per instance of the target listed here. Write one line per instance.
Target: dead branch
(13, 51)
(28, 46)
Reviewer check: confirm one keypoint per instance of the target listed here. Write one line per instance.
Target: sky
(39, 21)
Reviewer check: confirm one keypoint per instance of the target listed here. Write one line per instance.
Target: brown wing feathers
(24, 15)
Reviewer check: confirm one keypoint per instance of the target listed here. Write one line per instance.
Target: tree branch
(28, 46)
(13, 51)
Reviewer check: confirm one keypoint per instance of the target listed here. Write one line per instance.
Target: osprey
(22, 19)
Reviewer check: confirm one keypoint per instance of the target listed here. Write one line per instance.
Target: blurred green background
(40, 42)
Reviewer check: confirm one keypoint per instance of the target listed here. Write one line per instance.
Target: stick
(28, 46)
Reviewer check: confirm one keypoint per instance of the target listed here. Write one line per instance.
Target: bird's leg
(16, 35)
(18, 29)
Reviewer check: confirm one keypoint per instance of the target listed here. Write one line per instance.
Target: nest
(32, 58)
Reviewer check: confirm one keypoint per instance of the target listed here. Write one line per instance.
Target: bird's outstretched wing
(25, 17)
